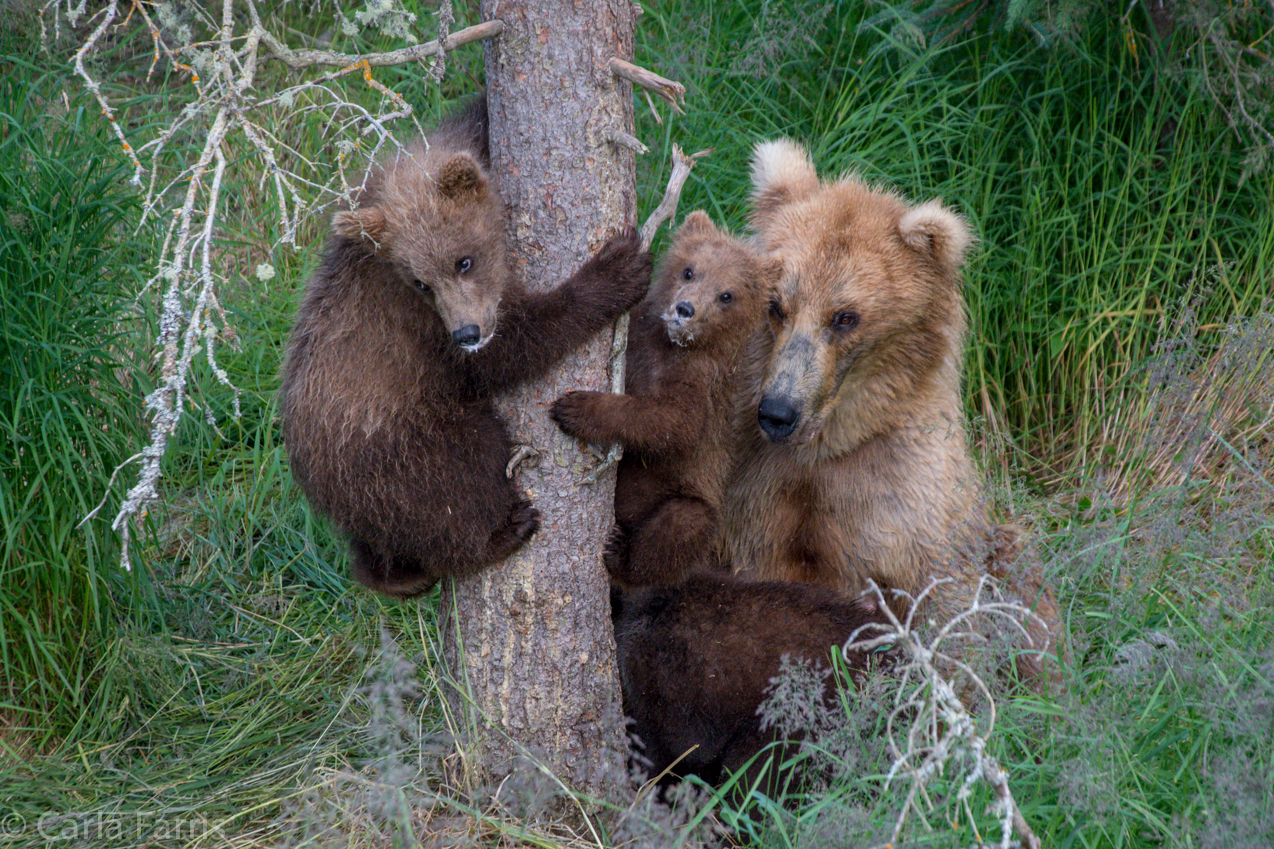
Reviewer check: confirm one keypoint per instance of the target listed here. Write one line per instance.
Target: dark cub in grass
(696, 660)
(411, 323)
(674, 422)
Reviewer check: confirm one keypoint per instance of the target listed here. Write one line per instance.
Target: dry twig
(938, 728)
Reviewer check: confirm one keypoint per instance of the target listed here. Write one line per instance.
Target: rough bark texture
(531, 640)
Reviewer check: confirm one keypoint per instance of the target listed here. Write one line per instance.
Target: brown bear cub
(410, 324)
(697, 660)
(674, 421)
(853, 463)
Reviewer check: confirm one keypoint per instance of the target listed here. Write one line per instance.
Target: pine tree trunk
(531, 640)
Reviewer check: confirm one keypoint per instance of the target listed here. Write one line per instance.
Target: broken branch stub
(670, 90)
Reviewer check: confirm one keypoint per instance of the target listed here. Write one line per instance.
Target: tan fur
(860, 468)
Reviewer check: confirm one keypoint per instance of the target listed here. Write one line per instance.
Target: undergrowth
(68, 389)
(236, 690)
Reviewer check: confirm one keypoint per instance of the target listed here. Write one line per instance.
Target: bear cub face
(443, 235)
(868, 312)
(710, 285)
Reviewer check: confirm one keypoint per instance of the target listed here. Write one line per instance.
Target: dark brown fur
(409, 325)
(696, 660)
(674, 421)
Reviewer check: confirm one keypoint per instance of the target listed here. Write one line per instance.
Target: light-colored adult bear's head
(711, 288)
(867, 319)
(436, 218)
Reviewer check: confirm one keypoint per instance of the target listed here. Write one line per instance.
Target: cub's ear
(771, 268)
(698, 223)
(781, 173)
(938, 233)
(358, 224)
(461, 177)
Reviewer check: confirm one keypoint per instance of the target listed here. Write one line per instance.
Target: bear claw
(524, 519)
(623, 261)
(571, 412)
(615, 553)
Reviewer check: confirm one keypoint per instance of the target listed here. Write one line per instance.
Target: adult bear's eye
(420, 284)
(464, 264)
(776, 310)
(845, 320)
(726, 297)
(688, 273)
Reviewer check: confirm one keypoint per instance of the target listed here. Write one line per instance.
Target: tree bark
(530, 642)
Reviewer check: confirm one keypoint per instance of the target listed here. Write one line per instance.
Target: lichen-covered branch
(300, 59)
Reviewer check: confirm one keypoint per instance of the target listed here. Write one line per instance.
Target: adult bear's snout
(778, 417)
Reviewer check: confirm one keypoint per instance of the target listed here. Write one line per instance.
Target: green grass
(69, 381)
(230, 690)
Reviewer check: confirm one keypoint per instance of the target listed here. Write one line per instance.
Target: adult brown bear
(410, 324)
(853, 463)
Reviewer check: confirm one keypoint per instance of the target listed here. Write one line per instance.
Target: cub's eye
(464, 265)
(420, 284)
(725, 297)
(845, 320)
(776, 310)
(688, 273)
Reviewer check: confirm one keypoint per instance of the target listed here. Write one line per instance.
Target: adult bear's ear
(781, 173)
(698, 223)
(359, 224)
(938, 233)
(462, 178)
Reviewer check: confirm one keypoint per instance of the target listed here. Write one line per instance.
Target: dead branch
(939, 728)
(681, 165)
(300, 59)
(670, 90)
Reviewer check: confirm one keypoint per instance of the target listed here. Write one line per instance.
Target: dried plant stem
(939, 727)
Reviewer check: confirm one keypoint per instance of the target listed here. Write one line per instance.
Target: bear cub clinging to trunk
(674, 421)
(411, 322)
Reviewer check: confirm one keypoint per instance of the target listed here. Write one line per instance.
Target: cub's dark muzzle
(467, 336)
